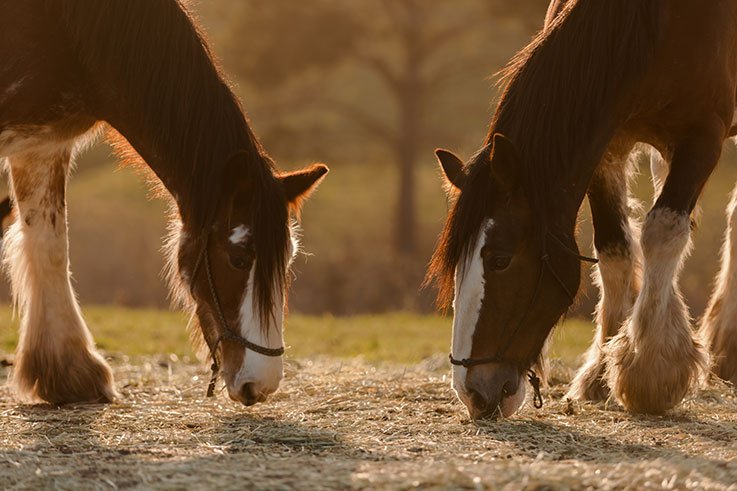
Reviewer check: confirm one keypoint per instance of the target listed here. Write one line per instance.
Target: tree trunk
(410, 101)
(406, 215)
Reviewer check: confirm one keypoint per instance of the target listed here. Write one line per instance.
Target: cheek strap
(223, 330)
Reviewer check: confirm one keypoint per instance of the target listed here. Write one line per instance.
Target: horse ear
(299, 185)
(452, 167)
(504, 162)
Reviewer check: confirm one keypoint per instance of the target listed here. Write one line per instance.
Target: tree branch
(446, 73)
(367, 122)
(444, 36)
(382, 68)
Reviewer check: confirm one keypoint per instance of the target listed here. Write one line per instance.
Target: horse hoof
(589, 384)
(655, 377)
(64, 378)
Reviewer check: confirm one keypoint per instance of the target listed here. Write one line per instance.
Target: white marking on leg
(719, 326)
(617, 276)
(57, 360)
(26, 139)
(42, 140)
(240, 235)
(654, 359)
(469, 294)
(659, 170)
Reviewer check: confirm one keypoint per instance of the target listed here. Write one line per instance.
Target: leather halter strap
(224, 332)
(499, 357)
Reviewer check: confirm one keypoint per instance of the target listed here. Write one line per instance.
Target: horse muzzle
(492, 391)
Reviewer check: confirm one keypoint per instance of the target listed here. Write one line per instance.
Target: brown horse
(602, 77)
(143, 68)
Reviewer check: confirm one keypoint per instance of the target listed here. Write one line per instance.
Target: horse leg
(655, 358)
(719, 325)
(618, 271)
(56, 359)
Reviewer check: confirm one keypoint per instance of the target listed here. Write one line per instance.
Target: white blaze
(469, 294)
(265, 371)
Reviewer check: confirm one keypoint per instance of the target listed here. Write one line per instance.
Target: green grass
(400, 337)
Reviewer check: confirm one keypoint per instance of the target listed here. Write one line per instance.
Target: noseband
(224, 332)
(545, 266)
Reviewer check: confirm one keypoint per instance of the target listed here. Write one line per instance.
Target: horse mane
(563, 97)
(151, 75)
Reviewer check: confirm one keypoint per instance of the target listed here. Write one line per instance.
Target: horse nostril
(251, 394)
(509, 389)
(476, 398)
(482, 408)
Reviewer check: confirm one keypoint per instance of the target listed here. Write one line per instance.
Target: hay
(352, 425)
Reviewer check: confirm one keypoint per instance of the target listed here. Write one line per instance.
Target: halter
(545, 265)
(224, 331)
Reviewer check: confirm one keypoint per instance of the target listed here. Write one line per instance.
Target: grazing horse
(602, 77)
(142, 68)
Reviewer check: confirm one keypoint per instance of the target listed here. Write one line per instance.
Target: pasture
(346, 422)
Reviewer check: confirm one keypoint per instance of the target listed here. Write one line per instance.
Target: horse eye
(239, 262)
(499, 263)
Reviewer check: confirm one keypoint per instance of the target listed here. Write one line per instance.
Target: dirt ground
(351, 425)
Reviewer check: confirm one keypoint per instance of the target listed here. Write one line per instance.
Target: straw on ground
(347, 424)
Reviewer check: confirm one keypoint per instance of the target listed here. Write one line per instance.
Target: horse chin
(511, 404)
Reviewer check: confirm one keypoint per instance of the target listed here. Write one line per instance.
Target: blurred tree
(403, 43)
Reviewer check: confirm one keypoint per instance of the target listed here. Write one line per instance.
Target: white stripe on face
(265, 371)
(469, 293)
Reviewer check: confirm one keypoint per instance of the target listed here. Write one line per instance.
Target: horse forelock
(271, 235)
(460, 232)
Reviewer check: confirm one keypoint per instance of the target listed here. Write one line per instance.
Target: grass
(398, 338)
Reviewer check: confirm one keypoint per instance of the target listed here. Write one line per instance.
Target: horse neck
(152, 78)
(186, 154)
(562, 121)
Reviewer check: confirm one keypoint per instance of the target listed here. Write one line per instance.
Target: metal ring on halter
(545, 264)
(225, 333)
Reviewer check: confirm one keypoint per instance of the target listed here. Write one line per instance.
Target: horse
(141, 71)
(599, 81)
